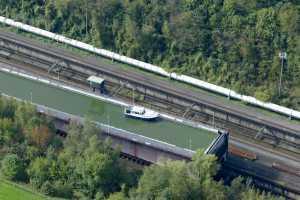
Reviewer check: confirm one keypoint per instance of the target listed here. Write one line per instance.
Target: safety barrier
(59, 84)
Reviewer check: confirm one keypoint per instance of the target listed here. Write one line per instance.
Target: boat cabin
(136, 110)
(140, 113)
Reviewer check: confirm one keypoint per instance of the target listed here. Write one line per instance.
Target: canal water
(66, 101)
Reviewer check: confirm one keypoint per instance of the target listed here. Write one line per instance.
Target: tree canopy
(234, 43)
(85, 166)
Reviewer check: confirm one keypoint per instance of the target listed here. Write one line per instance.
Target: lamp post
(282, 56)
(108, 122)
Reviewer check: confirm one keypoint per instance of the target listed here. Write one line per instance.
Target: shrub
(13, 168)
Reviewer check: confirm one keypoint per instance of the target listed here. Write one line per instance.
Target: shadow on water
(155, 120)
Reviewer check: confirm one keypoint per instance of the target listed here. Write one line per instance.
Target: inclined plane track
(156, 84)
(120, 73)
(150, 101)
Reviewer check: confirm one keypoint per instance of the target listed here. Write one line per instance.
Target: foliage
(84, 165)
(238, 191)
(12, 168)
(234, 43)
(117, 196)
(253, 194)
(192, 180)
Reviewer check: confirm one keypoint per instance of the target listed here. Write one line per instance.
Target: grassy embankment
(13, 191)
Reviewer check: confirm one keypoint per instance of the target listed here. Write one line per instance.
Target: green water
(164, 130)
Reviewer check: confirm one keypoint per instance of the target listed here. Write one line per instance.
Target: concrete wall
(145, 148)
(129, 143)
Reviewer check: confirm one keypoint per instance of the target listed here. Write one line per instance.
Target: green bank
(12, 191)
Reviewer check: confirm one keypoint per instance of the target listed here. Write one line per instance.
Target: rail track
(159, 104)
(162, 86)
(230, 170)
(141, 79)
(261, 176)
(165, 87)
(169, 107)
(156, 84)
(81, 77)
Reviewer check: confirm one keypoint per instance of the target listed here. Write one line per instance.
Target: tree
(9, 132)
(24, 113)
(236, 189)
(266, 24)
(103, 19)
(8, 108)
(98, 170)
(241, 37)
(117, 196)
(13, 168)
(41, 136)
(289, 19)
(38, 172)
(234, 43)
(253, 194)
(180, 180)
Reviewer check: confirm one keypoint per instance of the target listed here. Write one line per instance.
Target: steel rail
(249, 173)
(248, 132)
(264, 175)
(152, 68)
(155, 84)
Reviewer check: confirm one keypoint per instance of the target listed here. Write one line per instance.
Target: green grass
(12, 191)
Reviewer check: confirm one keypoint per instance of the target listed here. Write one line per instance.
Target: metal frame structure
(152, 68)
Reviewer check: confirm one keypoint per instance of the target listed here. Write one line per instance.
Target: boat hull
(142, 118)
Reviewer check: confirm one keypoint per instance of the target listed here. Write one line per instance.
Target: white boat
(140, 113)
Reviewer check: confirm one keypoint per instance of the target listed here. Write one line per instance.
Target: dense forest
(234, 43)
(84, 166)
